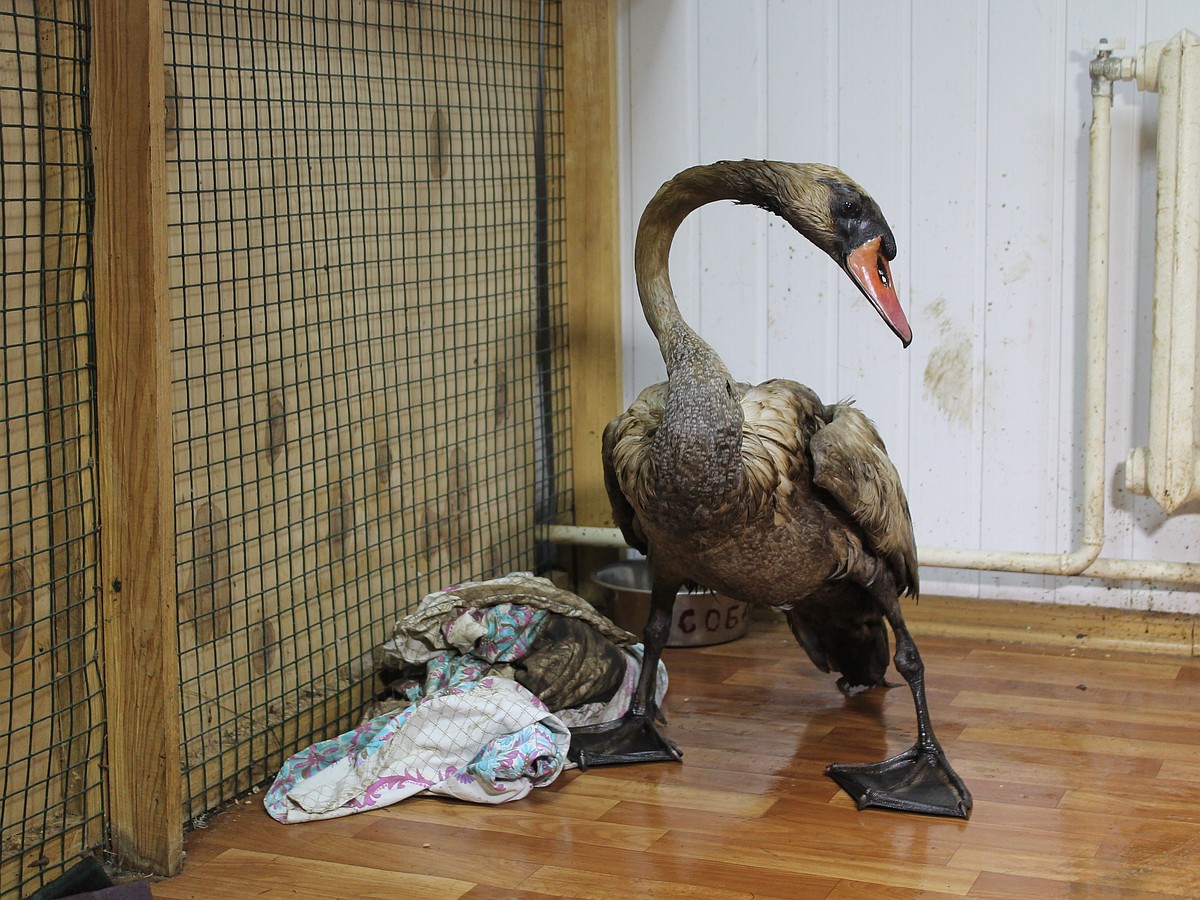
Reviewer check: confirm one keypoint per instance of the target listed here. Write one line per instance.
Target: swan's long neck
(699, 442)
(661, 219)
(754, 182)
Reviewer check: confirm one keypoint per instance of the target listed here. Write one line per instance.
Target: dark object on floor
(573, 656)
(87, 880)
(767, 494)
(630, 739)
(85, 875)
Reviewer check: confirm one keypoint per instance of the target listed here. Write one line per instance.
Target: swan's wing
(780, 418)
(851, 463)
(628, 472)
(623, 512)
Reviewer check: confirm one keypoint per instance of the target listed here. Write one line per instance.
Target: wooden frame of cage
(133, 403)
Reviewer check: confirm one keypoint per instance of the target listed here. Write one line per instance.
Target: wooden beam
(133, 392)
(592, 234)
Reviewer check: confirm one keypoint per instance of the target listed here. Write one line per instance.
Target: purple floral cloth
(468, 730)
(468, 733)
(487, 741)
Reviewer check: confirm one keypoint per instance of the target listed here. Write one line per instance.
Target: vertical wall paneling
(873, 59)
(940, 293)
(732, 241)
(592, 249)
(1119, 20)
(801, 280)
(661, 67)
(592, 241)
(1023, 287)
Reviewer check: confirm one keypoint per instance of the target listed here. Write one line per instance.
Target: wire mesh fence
(51, 711)
(368, 356)
(368, 324)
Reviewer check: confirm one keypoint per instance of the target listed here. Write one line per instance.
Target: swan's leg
(654, 638)
(920, 779)
(635, 737)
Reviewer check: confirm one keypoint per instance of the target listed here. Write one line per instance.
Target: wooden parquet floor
(1084, 764)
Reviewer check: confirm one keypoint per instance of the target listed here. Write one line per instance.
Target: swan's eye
(850, 209)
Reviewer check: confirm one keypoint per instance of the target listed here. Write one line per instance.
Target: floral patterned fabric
(469, 730)
(487, 741)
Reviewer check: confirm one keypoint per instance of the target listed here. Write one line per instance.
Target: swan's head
(837, 215)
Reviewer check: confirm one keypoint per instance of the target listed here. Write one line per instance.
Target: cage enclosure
(309, 309)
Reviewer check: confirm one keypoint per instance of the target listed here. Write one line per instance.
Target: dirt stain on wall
(948, 379)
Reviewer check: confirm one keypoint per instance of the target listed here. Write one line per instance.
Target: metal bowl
(700, 617)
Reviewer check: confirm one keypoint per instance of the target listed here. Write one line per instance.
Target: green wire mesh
(51, 710)
(365, 241)
(365, 206)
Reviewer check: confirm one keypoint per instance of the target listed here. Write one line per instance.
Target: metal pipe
(581, 536)
(939, 557)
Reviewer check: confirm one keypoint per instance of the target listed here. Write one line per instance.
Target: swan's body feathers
(815, 511)
(624, 514)
(796, 454)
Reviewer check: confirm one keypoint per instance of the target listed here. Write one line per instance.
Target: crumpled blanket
(464, 720)
(425, 633)
(488, 740)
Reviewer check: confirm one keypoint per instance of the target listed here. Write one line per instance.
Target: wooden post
(592, 243)
(133, 389)
(592, 236)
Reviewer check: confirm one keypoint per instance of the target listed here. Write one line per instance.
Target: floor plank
(1083, 762)
(287, 876)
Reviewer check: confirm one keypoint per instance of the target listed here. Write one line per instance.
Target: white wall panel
(663, 101)
(968, 122)
(801, 80)
(1119, 18)
(1022, 284)
(943, 286)
(732, 247)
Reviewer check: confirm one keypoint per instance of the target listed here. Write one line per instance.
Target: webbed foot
(633, 739)
(918, 780)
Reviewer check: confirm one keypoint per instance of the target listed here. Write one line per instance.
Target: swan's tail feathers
(849, 637)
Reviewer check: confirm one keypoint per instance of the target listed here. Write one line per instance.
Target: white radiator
(1168, 468)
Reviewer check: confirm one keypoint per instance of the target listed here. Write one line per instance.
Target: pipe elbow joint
(1137, 472)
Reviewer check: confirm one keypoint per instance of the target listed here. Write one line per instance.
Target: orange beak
(868, 268)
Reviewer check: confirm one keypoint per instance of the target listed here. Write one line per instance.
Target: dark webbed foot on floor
(918, 780)
(633, 739)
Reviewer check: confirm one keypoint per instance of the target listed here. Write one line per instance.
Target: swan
(765, 493)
